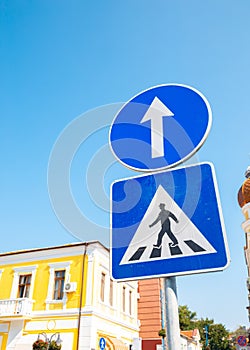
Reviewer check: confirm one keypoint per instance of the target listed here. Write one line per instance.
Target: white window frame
(130, 302)
(124, 299)
(23, 270)
(65, 265)
(111, 292)
(103, 287)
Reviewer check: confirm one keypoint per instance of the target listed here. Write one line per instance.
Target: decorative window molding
(124, 292)
(53, 267)
(111, 292)
(103, 287)
(23, 270)
(130, 302)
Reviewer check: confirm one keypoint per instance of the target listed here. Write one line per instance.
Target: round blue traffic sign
(160, 127)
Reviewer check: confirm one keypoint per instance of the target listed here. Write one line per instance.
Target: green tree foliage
(241, 330)
(187, 318)
(201, 325)
(218, 336)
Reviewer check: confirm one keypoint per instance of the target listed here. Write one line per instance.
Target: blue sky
(61, 59)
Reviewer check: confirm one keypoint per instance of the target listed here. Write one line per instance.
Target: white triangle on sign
(185, 231)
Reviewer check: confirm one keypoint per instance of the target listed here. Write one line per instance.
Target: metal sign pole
(163, 303)
(172, 314)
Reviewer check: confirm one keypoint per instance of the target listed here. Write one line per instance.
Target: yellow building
(67, 290)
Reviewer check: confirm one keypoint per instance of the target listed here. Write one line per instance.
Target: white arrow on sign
(156, 111)
(102, 344)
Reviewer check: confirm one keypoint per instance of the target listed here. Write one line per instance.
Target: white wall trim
(45, 254)
(42, 325)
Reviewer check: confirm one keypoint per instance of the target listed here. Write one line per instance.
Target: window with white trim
(102, 289)
(123, 298)
(23, 282)
(59, 274)
(111, 292)
(130, 302)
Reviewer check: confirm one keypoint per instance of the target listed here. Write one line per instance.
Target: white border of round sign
(183, 159)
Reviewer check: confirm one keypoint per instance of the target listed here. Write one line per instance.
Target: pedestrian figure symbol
(164, 217)
(150, 244)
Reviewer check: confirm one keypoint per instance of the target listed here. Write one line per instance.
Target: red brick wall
(149, 309)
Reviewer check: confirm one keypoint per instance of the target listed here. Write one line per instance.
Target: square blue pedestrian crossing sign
(167, 224)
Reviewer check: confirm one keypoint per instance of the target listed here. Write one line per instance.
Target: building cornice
(55, 252)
